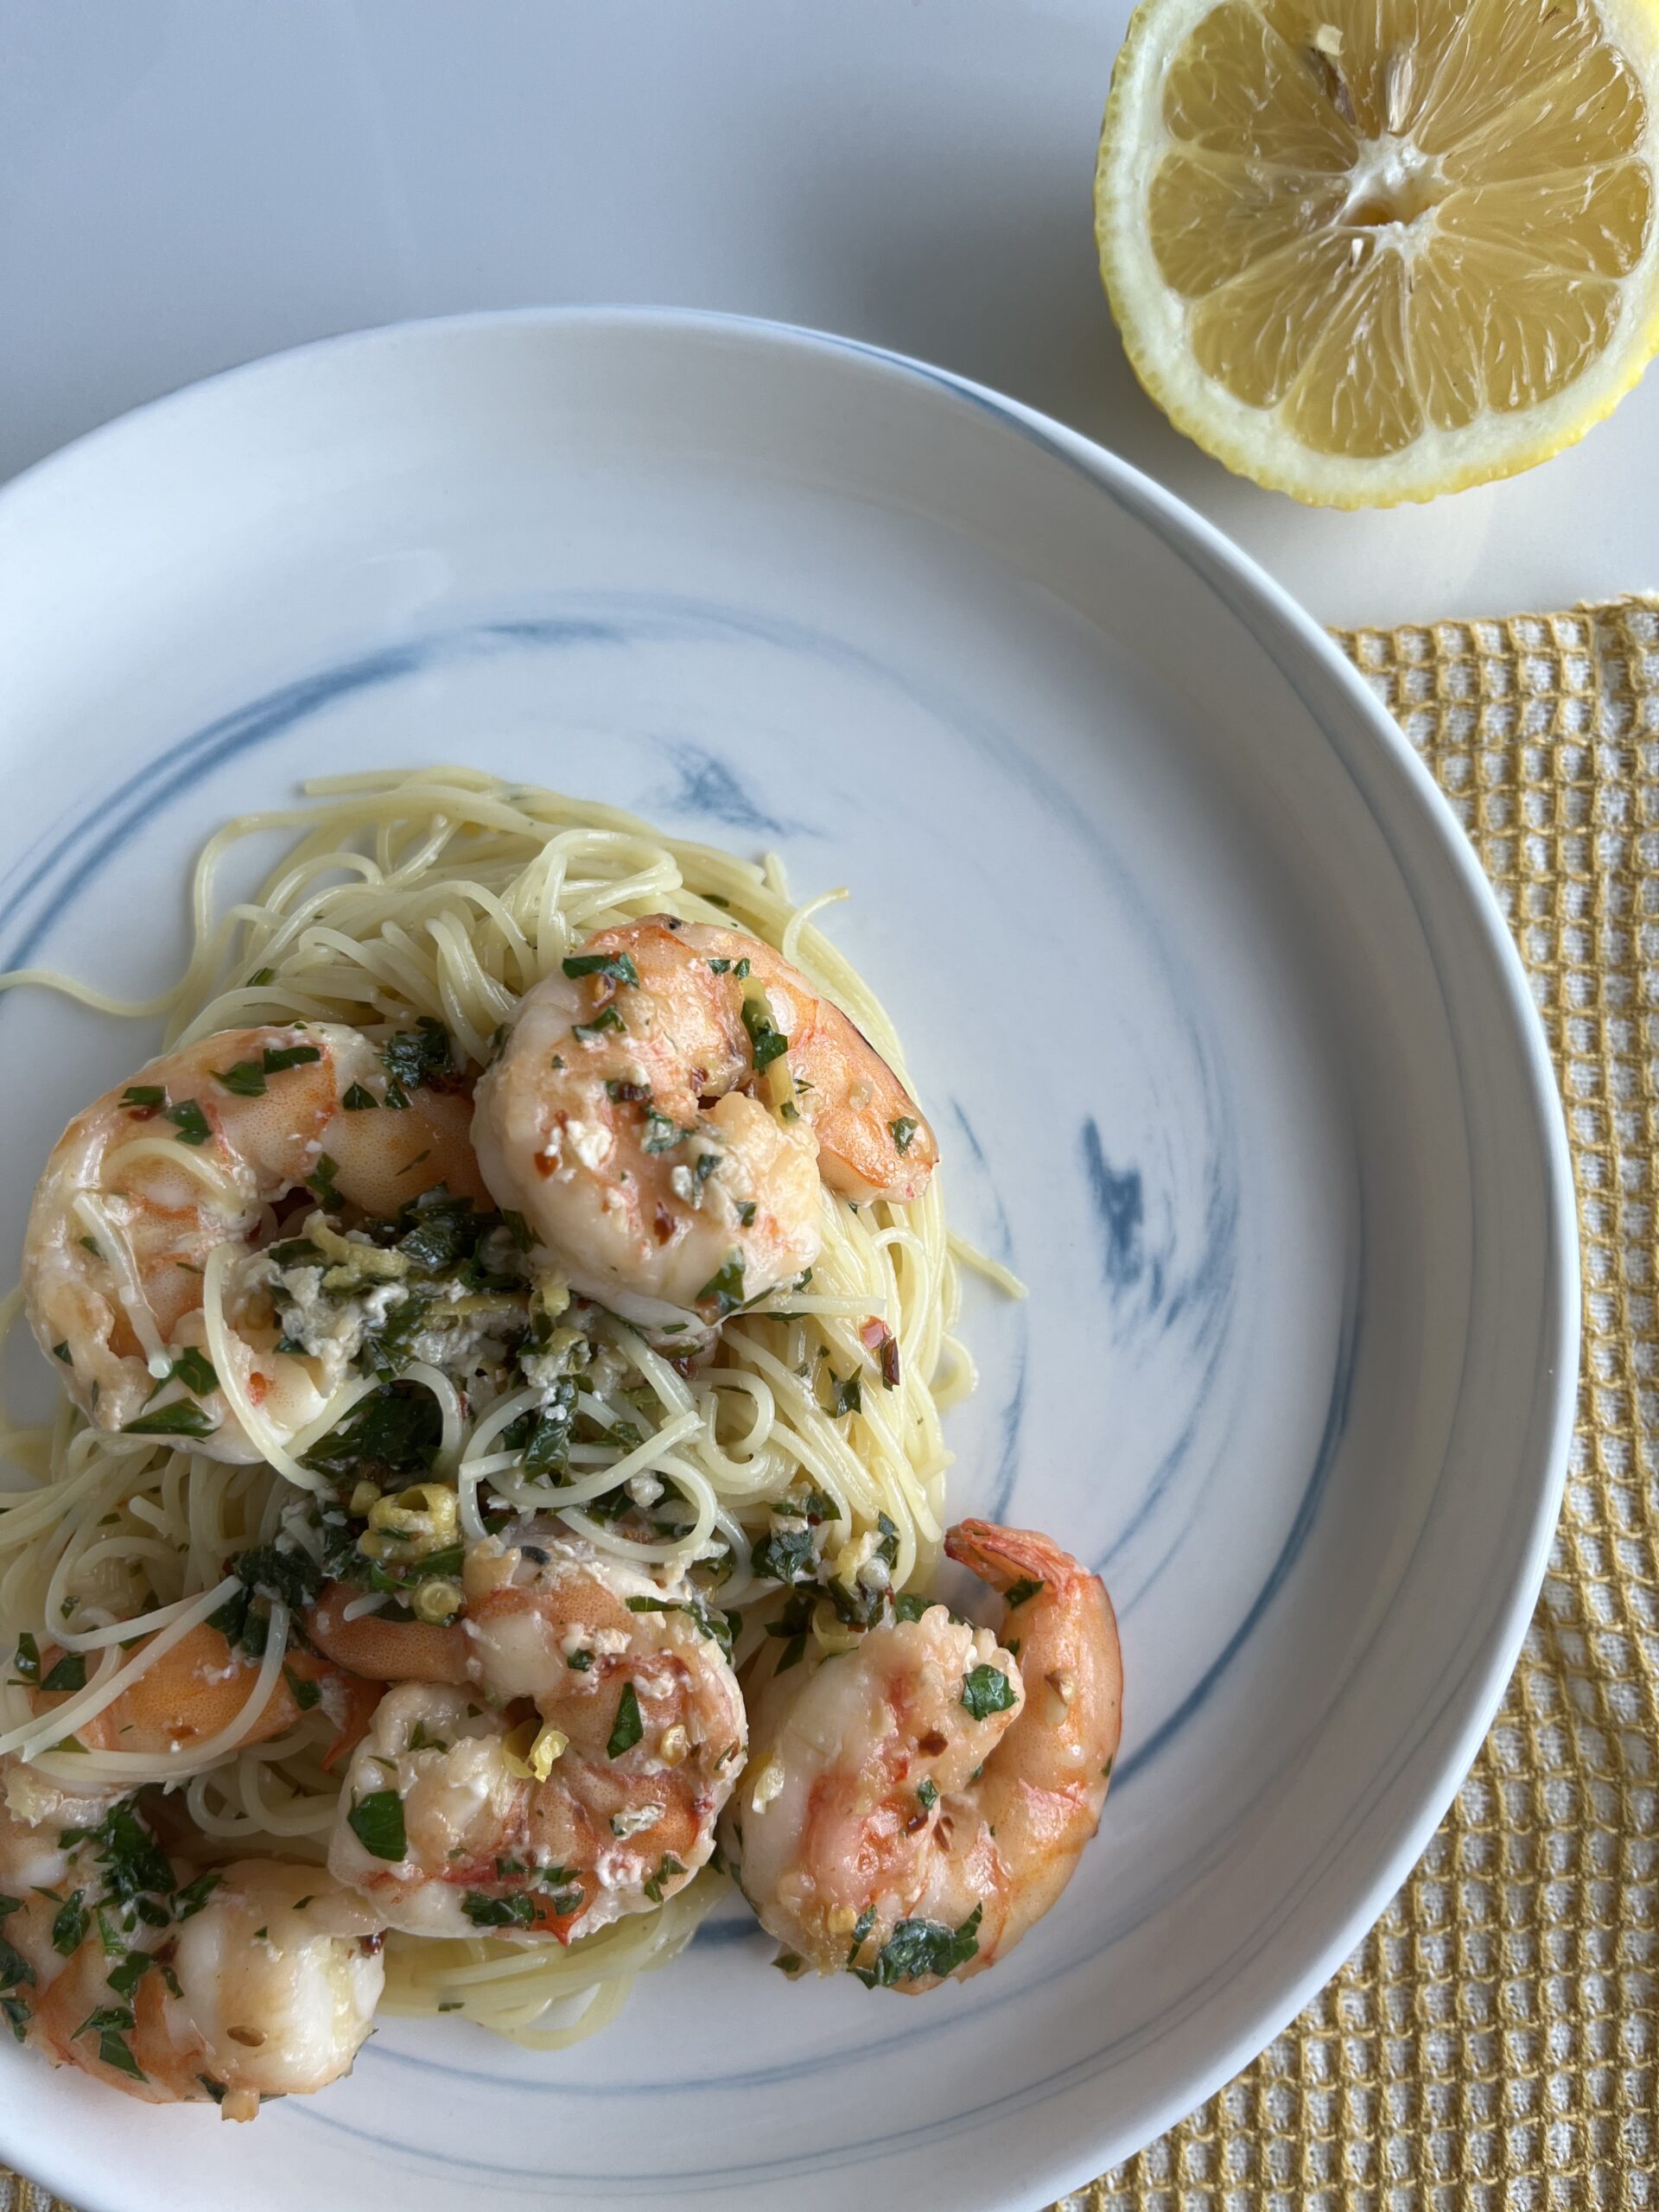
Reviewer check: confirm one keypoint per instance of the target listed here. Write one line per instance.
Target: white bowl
(1229, 1050)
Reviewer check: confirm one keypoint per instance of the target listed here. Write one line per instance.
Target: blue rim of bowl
(1296, 646)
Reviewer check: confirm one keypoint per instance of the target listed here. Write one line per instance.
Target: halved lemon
(1368, 251)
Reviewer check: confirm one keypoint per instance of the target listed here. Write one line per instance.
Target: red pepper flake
(877, 1337)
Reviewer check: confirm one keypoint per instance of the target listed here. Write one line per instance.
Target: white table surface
(184, 184)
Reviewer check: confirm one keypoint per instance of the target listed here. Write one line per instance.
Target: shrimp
(621, 1120)
(255, 1980)
(914, 1805)
(458, 1815)
(198, 1687)
(145, 1186)
(267, 1991)
(40, 1822)
(386, 1650)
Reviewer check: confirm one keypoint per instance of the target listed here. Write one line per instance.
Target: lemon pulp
(1374, 249)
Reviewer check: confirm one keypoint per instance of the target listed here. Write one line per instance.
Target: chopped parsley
(395, 1431)
(195, 1372)
(112, 2023)
(724, 1289)
(246, 1078)
(266, 1571)
(440, 1231)
(712, 1622)
(305, 1694)
(579, 1661)
(190, 1899)
(414, 1057)
(866, 1922)
(606, 1017)
(903, 1130)
(485, 1911)
(617, 965)
(189, 1121)
(668, 1867)
(16, 1972)
(179, 1419)
(746, 1213)
(986, 1690)
(62, 1351)
(260, 977)
(848, 1396)
(321, 1181)
(629, 1726)
(916, 1948)
(927, 1792)
(360, 1100)
(766, 1041)
(663, 1132)
(135, 1865)
(69, 1673)
(566, 1886)
(27, 1663)
(296, 1252)
(143, 1094)
(377, 1821)
(278, 1057)
(125, 1976)
(784, 1556)
(544, 1434)
(69, 1924)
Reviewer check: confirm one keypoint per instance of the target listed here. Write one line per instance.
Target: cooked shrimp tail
(382, 1651)
(200, 1686)
(1046, 1784)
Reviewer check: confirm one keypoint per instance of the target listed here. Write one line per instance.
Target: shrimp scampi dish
(492, 1508)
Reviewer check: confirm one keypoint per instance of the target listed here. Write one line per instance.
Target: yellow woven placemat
(1492, 2044)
